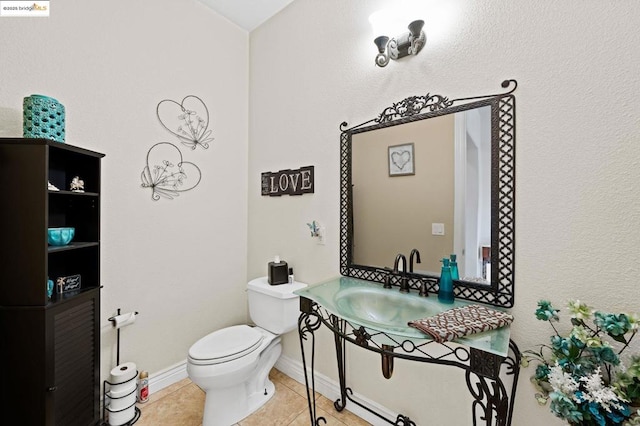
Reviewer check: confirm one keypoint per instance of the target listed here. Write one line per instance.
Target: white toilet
(232, 365)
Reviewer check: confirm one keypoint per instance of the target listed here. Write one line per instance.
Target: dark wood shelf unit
(53, 342)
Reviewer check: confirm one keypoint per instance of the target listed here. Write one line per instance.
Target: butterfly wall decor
(314, 227)
(317, 231)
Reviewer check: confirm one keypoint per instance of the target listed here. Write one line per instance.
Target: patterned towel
(458, 322)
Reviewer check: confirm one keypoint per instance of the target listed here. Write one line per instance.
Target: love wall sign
(288, 182)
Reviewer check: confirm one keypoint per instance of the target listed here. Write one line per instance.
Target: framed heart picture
(401, 160)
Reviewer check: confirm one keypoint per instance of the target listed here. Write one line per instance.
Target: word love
(288, 182)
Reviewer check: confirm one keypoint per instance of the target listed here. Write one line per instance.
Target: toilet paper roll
(122, 417)
(123, 388)
(120, 402)
(123, 373)
(125, 319)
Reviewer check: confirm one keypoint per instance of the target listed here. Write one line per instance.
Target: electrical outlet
(437, 229)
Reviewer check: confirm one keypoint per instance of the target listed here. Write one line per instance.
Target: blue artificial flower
(542, 372)
(564, 348)
(605, 354)
(563, 407)
(546, 312)
(619, 416)
(614, 325)
(594, 409)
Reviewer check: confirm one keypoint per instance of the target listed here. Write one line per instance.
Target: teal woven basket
(42, 117)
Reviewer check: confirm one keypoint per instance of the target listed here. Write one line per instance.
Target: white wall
(312, 67)
(181, 263)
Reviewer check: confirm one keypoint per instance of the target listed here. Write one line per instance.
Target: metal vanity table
(387, 210)
(490, 359)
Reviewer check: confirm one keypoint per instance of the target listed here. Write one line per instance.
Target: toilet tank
(274, 307)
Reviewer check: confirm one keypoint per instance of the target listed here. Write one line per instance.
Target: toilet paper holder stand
(113, 321)
(137, 412)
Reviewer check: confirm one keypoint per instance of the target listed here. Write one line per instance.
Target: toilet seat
(225, 345)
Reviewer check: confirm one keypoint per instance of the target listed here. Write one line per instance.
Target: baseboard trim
(331, 389)
(167, 377)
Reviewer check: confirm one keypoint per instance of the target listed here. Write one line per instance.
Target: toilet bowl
(232, 365)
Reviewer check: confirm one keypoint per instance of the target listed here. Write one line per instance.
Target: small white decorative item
(401, 160)
(51, 187)
(77, 184)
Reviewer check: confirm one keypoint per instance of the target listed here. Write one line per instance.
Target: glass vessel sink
(369, 304)
(377, 306)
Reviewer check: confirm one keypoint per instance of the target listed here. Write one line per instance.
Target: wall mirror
(436, 175)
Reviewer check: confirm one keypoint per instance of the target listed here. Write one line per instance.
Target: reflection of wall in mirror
(394, 214)
(473, 205)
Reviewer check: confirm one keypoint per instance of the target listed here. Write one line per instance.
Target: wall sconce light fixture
(409, 43)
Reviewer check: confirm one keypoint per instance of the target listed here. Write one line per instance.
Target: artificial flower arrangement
(585, 376)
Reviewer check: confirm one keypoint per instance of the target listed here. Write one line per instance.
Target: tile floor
(181, 404)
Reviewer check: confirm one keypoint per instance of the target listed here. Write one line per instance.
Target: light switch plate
(437, 229)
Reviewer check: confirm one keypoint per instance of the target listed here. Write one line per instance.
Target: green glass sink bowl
(369, 304)
(377, 306)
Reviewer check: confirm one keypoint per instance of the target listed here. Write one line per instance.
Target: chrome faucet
(404, 282)
(415, 253)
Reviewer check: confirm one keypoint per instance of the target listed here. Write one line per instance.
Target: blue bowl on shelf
(61, 236)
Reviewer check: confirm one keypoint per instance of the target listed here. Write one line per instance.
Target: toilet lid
(226, 344)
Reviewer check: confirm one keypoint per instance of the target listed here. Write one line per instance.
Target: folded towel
(458, 322)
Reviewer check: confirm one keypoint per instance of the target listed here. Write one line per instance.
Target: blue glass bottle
(445, 292)
(49, 288)
(454, 268)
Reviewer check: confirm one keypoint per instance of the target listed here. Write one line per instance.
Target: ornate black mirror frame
(500, 291)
